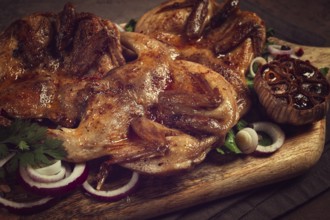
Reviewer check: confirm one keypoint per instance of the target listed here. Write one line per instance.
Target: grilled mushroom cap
(292, 91)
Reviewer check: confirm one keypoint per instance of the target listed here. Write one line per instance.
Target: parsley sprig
(230, 145)
(324, 70)
(130, 26)
(31, 145)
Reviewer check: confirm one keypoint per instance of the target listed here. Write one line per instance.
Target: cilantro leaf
(22, 145)
(241, 124)
(250, 82)
(264, 139)
(2, 173)
(270, 32)
(130, 26)
(230, 143)
(324, 71)
(3, 151)
(12, 165)
(26, 158)
(31, 145)
(220, 151)
(53, 149)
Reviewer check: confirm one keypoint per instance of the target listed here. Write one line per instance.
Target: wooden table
(298, 21)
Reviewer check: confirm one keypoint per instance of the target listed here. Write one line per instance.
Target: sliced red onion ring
(26, 207)
(46, 178)
(274, 49)
(76, 178)
(112, 195)
(51, 169)
(274, 131)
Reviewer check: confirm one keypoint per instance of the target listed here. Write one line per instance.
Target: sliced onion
(257, 60)
(26, 207)
(112, 195)
(4, 160)
(247, 140)
(274, 131)
(120, 27)
(51, 169)
(276, 50)
(45, 176)
(77, 177)
(270, 59)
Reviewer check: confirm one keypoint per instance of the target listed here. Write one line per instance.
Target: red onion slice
(274, 49)
(51, 169)
(112, 195)
(76, 178)
(26, 207)
(44, 178)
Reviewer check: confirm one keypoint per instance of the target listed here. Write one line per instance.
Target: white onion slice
(258, 60)
(247, 140)
(112, 195)
(4, 160)
(121, 27)
(76, 178)
(274, 49)
(51, 169)
(44, 177)
(26, 207)
(274, 131)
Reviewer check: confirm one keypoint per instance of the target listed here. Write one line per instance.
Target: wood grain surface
(217, 177)
(302, 22)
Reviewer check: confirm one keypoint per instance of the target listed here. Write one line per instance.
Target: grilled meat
(139, 102)
(219, 36)
(47, 61)
(153, 108)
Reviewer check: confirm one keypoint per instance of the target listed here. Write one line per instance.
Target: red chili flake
(299, 52)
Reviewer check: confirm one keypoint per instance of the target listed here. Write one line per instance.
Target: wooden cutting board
(217, 177)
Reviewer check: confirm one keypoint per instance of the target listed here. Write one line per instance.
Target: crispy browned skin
(155, 109)
(120, 95)
(220, 36)
(47, 60)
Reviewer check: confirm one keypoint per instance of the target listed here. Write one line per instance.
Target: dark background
(304, 22)
(300, 21)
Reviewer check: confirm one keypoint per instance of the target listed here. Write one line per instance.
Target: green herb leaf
(41, 158)
(12, 164)
(2, 173)
(241, 124)
(250, 83)
(3, 151)
(53, 149)
(324, 71)
(264, 139)
(31, 145)
(130, 26)
(270, 32)
(26, 159)
(220, 151)
(22, 145)
(230, 143)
